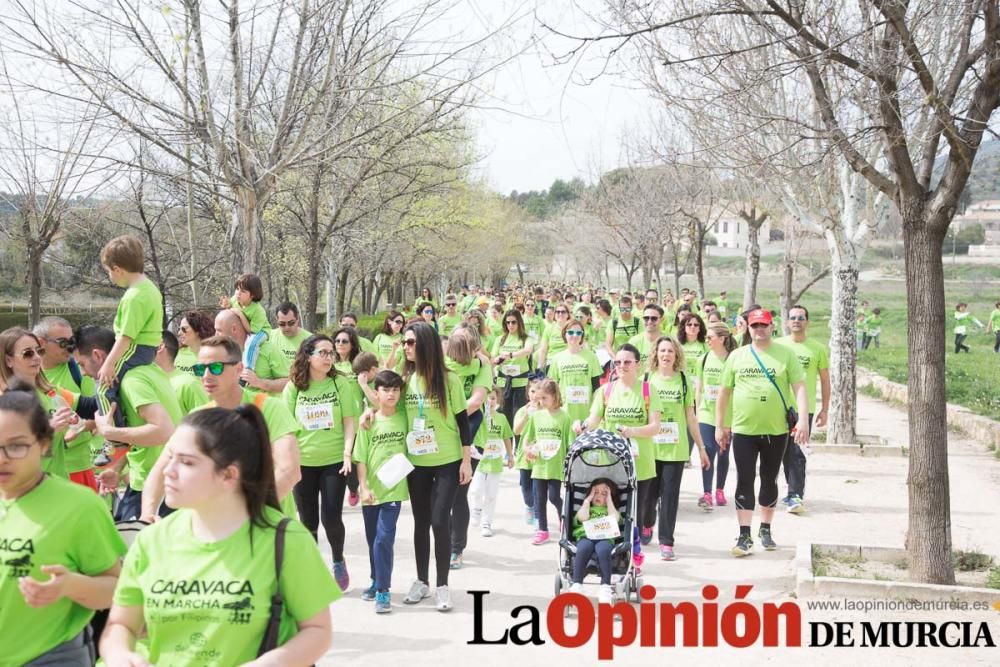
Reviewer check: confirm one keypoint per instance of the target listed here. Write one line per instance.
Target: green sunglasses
(215, 368)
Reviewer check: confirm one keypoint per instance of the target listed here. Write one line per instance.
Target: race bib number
(510, 369)
(315, 417)
(493, 449)
(712, 392)
(578, 395)
(421, 442)
(669, 434)
(602, 528)
(549, 448)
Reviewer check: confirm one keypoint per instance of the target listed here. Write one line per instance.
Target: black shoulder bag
(270, 641)
(791, 416)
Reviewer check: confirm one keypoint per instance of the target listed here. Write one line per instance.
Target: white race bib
(669, 434)
(602, 528)
(421, 442)
(712, 392)
(549, 448)
(493, 449)
(315, 417)
(578, 395)
(510, 369)
(419, 424)
(394, 471)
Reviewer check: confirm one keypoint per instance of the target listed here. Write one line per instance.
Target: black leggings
(432, 495)
(460, 516)
(746, 450)
(320, 494)
(551, 488)
(648, 496)
(960, 343)
(518, 397)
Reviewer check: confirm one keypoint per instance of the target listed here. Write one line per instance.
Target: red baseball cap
(759, 316)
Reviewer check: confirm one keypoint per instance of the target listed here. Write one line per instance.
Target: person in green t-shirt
(60, 551)
(577, 371)
(380, 455)
(497, 447)
(271, 373)
(672, 444)
(216, 554)
(520, 460)
(645, 342)
(599, 503)
(546, 441)
(389, 341)
(552, 338)
(350, 321)
(326, 404)
(962, 318)
(994, 326)
(691, 336)
(622, 326)
(873, 328)
(511, 356)
(245, 304)
(289, 335)
(720, 344)
(195, 327)
(760, 378)
(451, 317)
(533, 322)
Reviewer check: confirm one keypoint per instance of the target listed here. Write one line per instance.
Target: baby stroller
(595, 455)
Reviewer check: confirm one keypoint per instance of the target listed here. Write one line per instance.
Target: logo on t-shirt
(241, 610)
(20, 566)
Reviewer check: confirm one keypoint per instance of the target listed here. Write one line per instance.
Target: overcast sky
(548, 124)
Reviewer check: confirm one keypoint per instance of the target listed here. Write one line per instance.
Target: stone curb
(808, 585)
(981, 429)
(859, 450)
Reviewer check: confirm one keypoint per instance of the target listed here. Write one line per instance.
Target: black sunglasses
(215, 367)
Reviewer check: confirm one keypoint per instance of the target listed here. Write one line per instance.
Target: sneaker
(486, 530)
(646, 535)
(795, 505)
(383, 602)
(529, 515)
(667, 553)
(744, 546)
(606, 595)
(784, 501)
(705, 502)
(541, 537)
(418, 591)
(442, 597)
(369, 593)
(765, 539)
(353, 498)
(576, 588)
(340, 574)
(456, 561)
(720, 498)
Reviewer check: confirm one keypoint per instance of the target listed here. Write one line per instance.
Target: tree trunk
(246, 238)
(928, 538)
(788, 279)
(34, 283)
(843, 421)
(314, 274)
(699, 265)
(752, 270)
(341, 294)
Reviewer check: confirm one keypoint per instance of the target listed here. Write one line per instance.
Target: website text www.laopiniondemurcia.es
(738, 624)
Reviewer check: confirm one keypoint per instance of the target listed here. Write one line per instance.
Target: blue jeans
(527, 490)
(380, 531)
(585, 548)
(712, 449)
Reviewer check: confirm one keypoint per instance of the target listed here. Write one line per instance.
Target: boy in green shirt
(384, 443)
(873, 328)
(994, 326)
(245, 303)
(138, 321)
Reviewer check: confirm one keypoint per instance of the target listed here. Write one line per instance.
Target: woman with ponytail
(208, 570)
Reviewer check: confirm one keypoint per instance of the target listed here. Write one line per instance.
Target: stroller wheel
(559, 584)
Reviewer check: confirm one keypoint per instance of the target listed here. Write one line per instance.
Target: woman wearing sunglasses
(60, 551)
(388, 342)
(21, 358)
(511, 357)
(552, 339)
(195, 327)
(326, 406)
(428, 313)
(577, 371)
(691, 336)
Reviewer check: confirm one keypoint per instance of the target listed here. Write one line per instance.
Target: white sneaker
(486, 530)
(576, 588)
(443, 598)
(418, 591)
(606, 594)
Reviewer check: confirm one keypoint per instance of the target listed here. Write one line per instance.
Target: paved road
(850, 500)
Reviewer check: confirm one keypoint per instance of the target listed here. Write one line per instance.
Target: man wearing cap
(763, 380)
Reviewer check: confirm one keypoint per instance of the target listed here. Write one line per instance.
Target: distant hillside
(984, 183)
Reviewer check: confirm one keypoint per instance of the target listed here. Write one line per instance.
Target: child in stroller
(598, 503)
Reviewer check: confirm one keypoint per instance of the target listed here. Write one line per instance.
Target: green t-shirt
(520, 462)
(77, 453)
(873, 324)
(447, 323)
(475, 374)
(693, 352)
(995, 319)
(516, 366)
(757, 408)
(255, 314)
(497, 431)
(596, 512)
(54, 463)
(623, 330)
(146, 385)
(553, 334)
(549, 436)
(190, 394)
(814, 358)
(56, 523)
(374, 446)
(534, 326)
(443, 424)
(645, 348)
(320, 411)
(185, 360)
(575, 374)
(207, 603)
(271, 363)
(710, 378)
(383, 349)
(628, 408)
(140, 314)
(671, 443)
(288, 346)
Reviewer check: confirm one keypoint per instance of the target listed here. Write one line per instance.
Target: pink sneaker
(667, 553)
(705, 502)
(541, 537)
(352, 498)
(720, 498)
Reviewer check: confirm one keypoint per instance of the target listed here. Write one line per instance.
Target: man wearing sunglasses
(645, 342)
(288, 337)
(270, 374)
(219, 368)
(151, 411)
(451, 317)
(815, 360)
(622, 327)
(61, 369)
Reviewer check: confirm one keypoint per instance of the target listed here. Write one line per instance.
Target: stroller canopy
(597, 454)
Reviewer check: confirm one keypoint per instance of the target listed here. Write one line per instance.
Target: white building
(732, 232)
(985, 213)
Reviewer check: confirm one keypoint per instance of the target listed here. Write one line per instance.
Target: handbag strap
(769, 377)
(270, 641)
